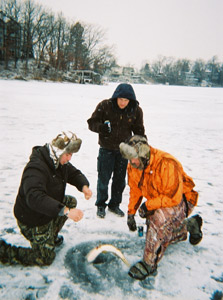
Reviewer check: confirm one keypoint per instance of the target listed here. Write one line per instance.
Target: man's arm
(138, 127)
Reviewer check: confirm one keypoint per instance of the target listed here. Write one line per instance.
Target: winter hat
(65, 142)
(124, 90)
(136, 147)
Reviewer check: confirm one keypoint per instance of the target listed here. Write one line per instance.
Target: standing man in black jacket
(115, 120)
(41, 206)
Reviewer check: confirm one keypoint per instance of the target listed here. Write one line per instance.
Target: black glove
(131, 222)
(144, 212)
(105, 129)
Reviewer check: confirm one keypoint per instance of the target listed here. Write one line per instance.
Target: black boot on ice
(141, 270)
(194, 225)
(58, 240)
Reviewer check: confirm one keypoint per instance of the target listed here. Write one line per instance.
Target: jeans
(110, 161)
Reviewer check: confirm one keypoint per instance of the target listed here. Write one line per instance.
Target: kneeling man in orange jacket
(170, 199)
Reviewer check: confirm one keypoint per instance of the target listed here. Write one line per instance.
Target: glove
(105, 129)
(131, 222)
(144, 212)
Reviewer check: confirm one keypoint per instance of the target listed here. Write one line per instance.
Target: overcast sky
(141, 30)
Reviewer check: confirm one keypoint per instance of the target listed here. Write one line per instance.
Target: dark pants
(42, 242)
(41, 238)
(110, 162)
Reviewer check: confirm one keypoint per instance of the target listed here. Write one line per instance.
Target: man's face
(135, 162)
(65, 158)
(122, 102)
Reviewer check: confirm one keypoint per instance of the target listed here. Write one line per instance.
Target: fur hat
(136, 147)
(65, 142)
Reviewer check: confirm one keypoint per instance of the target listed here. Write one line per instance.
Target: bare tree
(44, 28)
(61, 40)
(103, 60)
(94, 37)
(52, 41)
(28, 16)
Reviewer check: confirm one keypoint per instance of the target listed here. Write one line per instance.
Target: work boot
(11, 254)
(116, 210)
(194, 228)
(101, 212)
(58, 240)
(3, 256)
(14, 255)
(141, 270)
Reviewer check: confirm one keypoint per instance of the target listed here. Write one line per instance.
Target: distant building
(128, 71)
(124, 74)
(190, 79)
(10, 38)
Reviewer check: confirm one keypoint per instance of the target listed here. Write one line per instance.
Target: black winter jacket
(124, 122)
(42, 188)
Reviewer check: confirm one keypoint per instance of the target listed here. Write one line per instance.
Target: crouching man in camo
(41, 206)
(170, 198)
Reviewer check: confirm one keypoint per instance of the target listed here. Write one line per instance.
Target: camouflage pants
(41, 239)
(165, 227)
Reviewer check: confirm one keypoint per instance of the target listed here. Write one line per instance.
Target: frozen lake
(184, 121)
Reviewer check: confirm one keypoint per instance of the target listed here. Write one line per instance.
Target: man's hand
(131, 222)
(74, 214)
(87, 192)
(105, 129)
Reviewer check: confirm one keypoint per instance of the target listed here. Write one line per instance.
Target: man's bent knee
(45, 257)
(70, 201)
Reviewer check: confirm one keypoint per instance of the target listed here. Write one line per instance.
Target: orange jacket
(163, 185)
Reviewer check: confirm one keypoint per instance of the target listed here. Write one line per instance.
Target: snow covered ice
(184, 121)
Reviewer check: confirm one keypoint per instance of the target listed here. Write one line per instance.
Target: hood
(124, 90)
(42, 153)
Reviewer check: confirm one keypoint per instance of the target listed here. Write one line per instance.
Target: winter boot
(101, 212)
(141, 270)
(194, 225)
(3, 256)
(14, 255)
(8, 253)
(116, 210)
(58, 240)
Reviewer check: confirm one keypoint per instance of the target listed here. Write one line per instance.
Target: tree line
(35, 32)
(49, 38)
(184, 72)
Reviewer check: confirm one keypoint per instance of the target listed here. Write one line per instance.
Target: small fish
(91, 256)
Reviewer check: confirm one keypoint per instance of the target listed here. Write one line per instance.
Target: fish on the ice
(91, 256)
